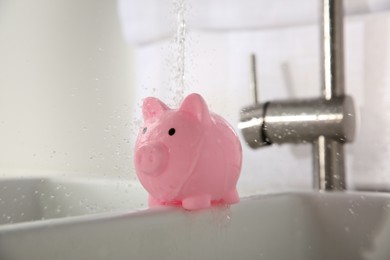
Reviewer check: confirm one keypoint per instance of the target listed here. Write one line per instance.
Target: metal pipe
(332, 31)
(303, 121)
(328, 165)
(328, 154)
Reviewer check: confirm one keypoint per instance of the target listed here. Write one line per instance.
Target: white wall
(69, 104)
(65, 89)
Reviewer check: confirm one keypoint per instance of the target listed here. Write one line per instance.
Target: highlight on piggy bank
(187, 156)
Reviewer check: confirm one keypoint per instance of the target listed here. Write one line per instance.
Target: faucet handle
(253, 78)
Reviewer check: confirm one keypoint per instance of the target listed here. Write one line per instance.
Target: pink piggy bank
(187, 156)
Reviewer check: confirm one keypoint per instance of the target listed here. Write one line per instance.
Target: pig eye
(171, 131)
(144, 130)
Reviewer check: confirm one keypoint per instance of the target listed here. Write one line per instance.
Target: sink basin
(32, 199)
(296, 225)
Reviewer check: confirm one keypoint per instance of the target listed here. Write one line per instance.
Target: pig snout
(151, 159)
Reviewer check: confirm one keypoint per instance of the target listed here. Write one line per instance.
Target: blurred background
(73, 75)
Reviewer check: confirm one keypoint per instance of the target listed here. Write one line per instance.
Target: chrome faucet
(328, 122)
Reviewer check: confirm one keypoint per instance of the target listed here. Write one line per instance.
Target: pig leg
(197, 202)
(231, 197)
(153, 202)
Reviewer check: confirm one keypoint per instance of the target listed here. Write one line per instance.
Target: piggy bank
(187, 156)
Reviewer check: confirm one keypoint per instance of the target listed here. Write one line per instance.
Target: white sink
(32, 199)
(294, 225)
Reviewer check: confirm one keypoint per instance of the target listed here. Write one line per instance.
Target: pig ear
(153, 107)
(195, 105)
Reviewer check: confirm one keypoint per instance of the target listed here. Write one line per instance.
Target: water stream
(177, 86)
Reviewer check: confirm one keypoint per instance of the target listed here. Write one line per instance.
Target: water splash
(222, 216)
